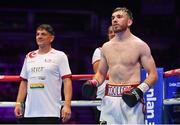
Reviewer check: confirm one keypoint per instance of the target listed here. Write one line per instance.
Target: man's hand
(18, 111)
(89, 88)
(66, 113)
(133, 97)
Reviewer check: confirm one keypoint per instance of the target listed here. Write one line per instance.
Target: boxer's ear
(129, 22)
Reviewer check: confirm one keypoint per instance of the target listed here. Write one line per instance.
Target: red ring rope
(173, 72)
(16, 78)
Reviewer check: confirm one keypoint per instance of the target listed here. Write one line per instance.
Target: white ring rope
(172, 101)
(83, 103)
(86, 103)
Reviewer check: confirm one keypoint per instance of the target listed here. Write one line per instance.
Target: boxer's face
(120, 21)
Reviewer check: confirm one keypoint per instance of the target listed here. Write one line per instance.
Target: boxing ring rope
(16, 78)
(172, 101)
(170, 73)
(82, 103)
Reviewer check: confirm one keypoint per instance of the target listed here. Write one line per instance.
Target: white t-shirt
(101, 89)
(44, 74)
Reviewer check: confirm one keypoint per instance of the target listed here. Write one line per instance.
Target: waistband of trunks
(116, 90)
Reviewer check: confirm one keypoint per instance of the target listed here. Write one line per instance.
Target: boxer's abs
(120, 74)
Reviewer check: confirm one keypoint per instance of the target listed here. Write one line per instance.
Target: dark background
(81, 26)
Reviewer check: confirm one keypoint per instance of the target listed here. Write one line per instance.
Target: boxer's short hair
(129, 13)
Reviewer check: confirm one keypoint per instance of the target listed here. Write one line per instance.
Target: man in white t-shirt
(95, 61)
(43, 72)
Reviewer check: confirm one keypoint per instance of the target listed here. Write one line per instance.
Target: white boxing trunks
(115, 111)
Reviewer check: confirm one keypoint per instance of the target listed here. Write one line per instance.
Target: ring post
(172, 100)
(154, 99)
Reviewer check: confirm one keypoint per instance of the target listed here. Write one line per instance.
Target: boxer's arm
(89, 88)
(101, 73)
(148, 64)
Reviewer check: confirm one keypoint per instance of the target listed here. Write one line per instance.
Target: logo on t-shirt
(48, 60)
(37, 69)
(37, 85)
(32, 54)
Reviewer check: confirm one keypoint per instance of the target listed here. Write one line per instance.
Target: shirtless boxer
(123, 57)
